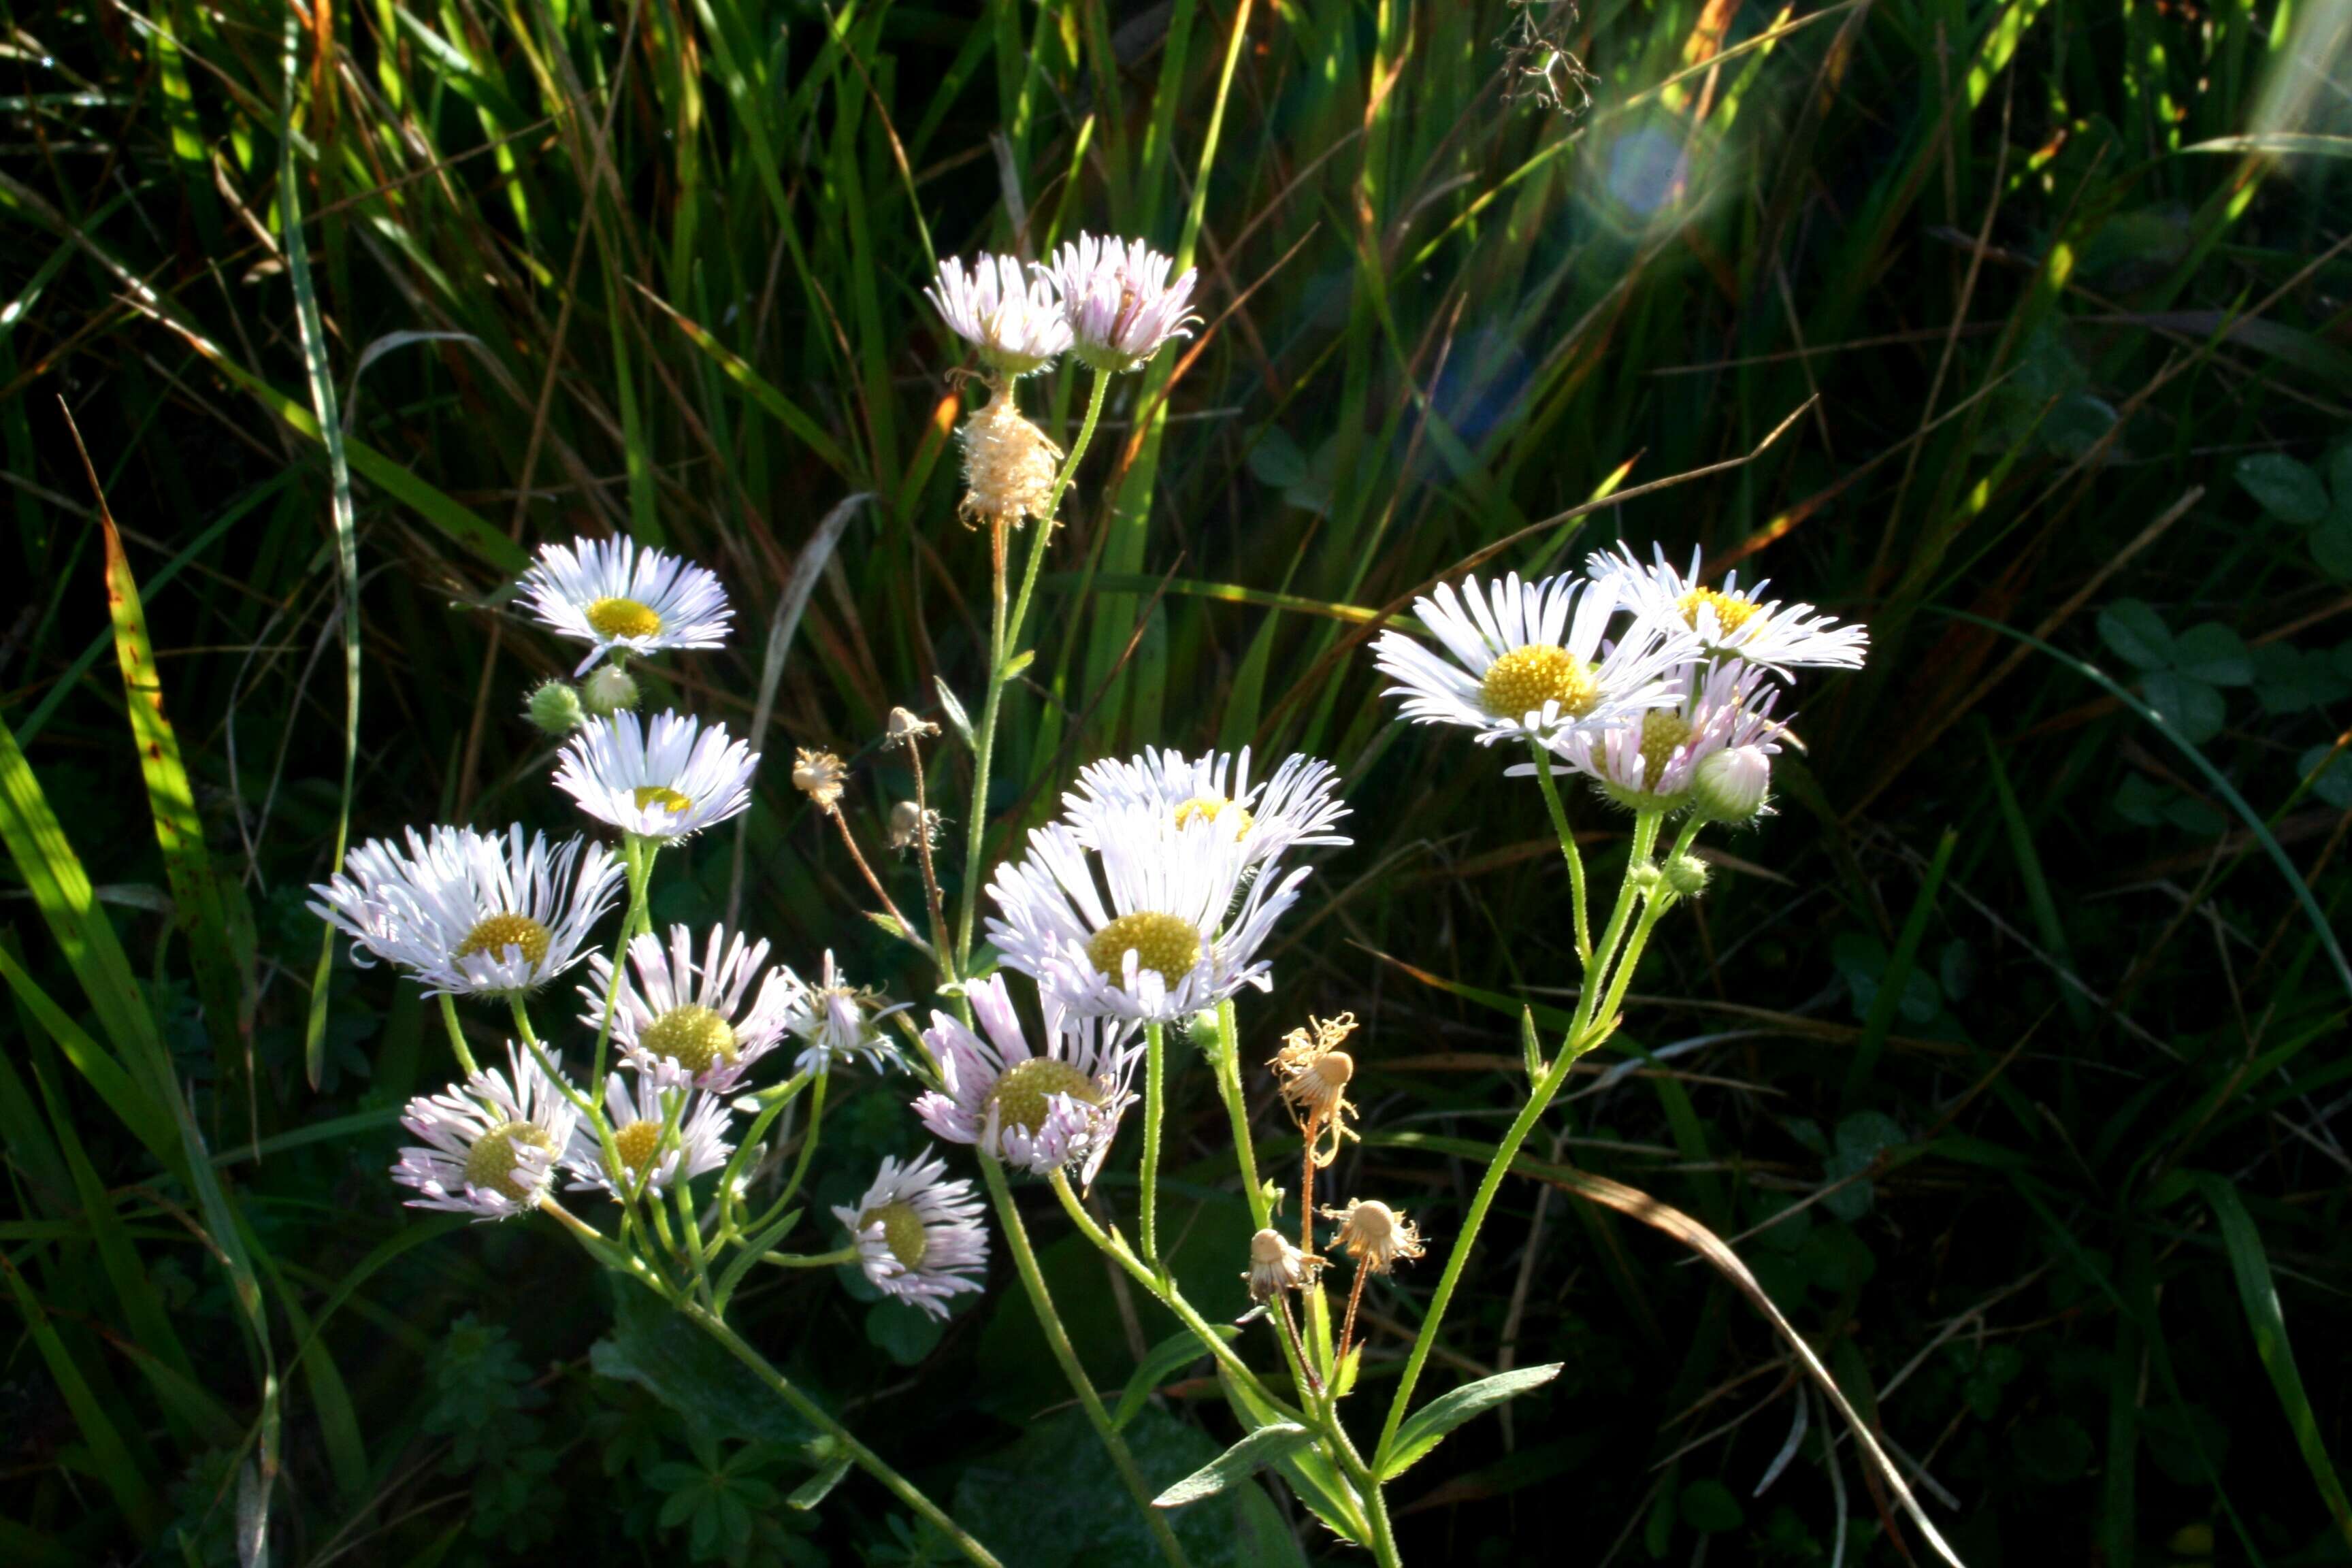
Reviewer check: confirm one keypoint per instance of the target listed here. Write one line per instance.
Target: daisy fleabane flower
(1144, 924)
(663, 780)
(618, 596)
(471, 913)
(837, 1022)
(1649, 761)
(491, 1143)
(1012, 318)
(1295, 807)
(1039, 1112)
(1528, 658)
(1118, 299)
(652, 1155)
(683, 1017)
(1731, 621)
(919, 1237)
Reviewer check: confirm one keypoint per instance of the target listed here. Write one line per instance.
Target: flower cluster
(1659, 689)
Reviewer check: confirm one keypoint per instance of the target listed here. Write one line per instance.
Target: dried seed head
(1009, 465)
(820, 775)
(910, 825)
(1275, 1266)
(905, 727)
(1315, 1074)
(1375, 1234)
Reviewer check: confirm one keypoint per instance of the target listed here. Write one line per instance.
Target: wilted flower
(820, 775)
(1315, 1074)
(1009, 465)
(835, 1021)
(905, 727)
(911, 824)
(1375, 1234)
(1119, 304)
(1275, 1266)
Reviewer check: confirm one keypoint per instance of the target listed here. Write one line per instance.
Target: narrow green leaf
(2259, 1295)
(1427, 1427)
(1178, 1349)
(1244, 1459)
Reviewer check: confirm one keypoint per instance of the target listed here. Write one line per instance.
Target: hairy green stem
(1005, 634)
(816, 1415)
(1033, 1279)
(1583, 1035)
(1568, 849)
(1228, 1065)
(1154, 1071)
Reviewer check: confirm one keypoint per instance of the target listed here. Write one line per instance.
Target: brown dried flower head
(1375, 1234)
(1008, 466)
(911, 824)
(820, 775)
(1315, 1074)
(1275, 1266)
(905, 727)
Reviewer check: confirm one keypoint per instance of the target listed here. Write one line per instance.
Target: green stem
(1033, 1279)
(638, 853)
(457, 1036)
(1568, 849)
(1004, 633)
(1154, 1106)
(864, 1458)
(814, 1260)
(1584, 1033)
(808, 1145)
(1228, 1065)
(1163, 1291)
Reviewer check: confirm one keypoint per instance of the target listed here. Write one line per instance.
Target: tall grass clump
(1213, 893)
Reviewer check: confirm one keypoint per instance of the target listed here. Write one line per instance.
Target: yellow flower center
(1523, 680)
(902, 1232)
(1160, 942)
(1214, 808)
(492, 1161)
(623, 618)
(694, 1036)
(499, 932)
(1731, 610)
(1022, 1094)
(635, 1144)
(1662, 731)
(647, 796)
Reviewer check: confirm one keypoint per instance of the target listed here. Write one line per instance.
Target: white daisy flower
(663, 780)
(1529, 658)
(683, 1019)
(1732, 620)
(1011, 319)
(919, 1237)
(1120, 307)
(652, 1155)
(1649, 761)
(1296, 807)
(1143, 925)
(837, 1022)
(614, 595)
(491, 1142)
(1038, 1111)
(471, 913)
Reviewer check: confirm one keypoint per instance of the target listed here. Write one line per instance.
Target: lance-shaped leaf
(1244, 1459)
(1429, 1425)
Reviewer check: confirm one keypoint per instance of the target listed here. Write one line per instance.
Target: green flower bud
(1684, 876)
(610, 690)
(554, 708)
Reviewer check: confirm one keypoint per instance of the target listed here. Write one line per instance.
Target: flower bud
(610, 690)
(554, 708)
(1731, 785)
(1684, 876)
